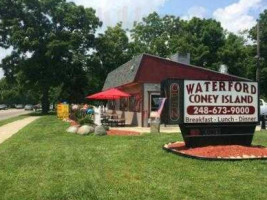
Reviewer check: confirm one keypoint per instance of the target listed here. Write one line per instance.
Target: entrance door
(154, 102)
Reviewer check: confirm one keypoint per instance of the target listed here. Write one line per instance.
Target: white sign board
(220, 101)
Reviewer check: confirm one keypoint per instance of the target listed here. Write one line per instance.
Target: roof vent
(223, 69)
(181, 58)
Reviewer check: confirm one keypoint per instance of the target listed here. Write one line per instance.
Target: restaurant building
(141, 78)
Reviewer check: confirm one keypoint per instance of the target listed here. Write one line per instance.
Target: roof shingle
(124, 74)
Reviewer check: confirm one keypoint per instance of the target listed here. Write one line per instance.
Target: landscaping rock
(85, 130)
(92, 129)
(100, 130)
(74, 123)
(106, 127)
(72, 129)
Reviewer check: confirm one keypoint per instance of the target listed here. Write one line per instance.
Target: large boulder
(100, 130)
(85, 130)
(72, 129)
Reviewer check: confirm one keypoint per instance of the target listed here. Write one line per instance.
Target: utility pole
(258, 53)
(263, 125)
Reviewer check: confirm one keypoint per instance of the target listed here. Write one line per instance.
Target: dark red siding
(155, 70)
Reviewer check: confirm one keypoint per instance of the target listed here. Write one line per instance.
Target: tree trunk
(45, 101)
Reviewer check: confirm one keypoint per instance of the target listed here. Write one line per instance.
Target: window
(135, 102)
(155, 102)
(124, 104)
(111, 104)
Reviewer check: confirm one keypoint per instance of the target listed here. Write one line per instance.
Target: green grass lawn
(44, 162)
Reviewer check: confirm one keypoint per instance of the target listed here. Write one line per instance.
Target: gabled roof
(124, 74)
(133, 69)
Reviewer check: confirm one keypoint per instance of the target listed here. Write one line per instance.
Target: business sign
(174, 102)
(220, 101)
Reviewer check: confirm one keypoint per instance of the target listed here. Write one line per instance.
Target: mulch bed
(220, 152)
(122, 132)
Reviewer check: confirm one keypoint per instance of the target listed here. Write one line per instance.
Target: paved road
(5, 114)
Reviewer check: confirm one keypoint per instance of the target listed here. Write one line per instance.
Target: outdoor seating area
(112, 119)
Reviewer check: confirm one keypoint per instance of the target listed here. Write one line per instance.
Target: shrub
(86, 120)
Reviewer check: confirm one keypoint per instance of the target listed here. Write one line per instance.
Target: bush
(86, 120)
(77, 115)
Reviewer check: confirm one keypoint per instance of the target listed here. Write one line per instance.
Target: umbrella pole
(114, 106)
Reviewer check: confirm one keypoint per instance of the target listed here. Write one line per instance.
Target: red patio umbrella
(112, 93)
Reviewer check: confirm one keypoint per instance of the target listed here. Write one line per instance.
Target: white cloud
(235, 17)
(3, 54)
(195, 11)
(127, 11)
(1, 73)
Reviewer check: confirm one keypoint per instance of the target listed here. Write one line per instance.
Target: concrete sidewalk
(6, 131)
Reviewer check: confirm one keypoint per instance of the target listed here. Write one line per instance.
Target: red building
(141, 78)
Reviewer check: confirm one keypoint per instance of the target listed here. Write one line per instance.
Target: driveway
(5, 114)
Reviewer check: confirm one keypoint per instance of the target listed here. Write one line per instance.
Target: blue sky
(234, 15)
(180, 8)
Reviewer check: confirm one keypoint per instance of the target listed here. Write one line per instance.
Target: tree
(235, 54)
(49, 38)
(156, 35)
(206, 37)
(167, 35)
(14, 93)
(112, 50)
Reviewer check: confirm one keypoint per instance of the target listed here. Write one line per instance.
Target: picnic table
(112, 120)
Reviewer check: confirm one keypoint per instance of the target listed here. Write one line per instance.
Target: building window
(154, 102)
(135, 102)
(111, 104)
(124, 104)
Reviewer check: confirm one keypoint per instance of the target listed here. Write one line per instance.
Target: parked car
(19, 106)
(28, 107)
(263, 108)
(3, 106)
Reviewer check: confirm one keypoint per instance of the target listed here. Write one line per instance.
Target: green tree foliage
(112, 50)
(50, 40)
(14, 93)
(166, 35)
(205, 37)
(235, 55)
(156, 35)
